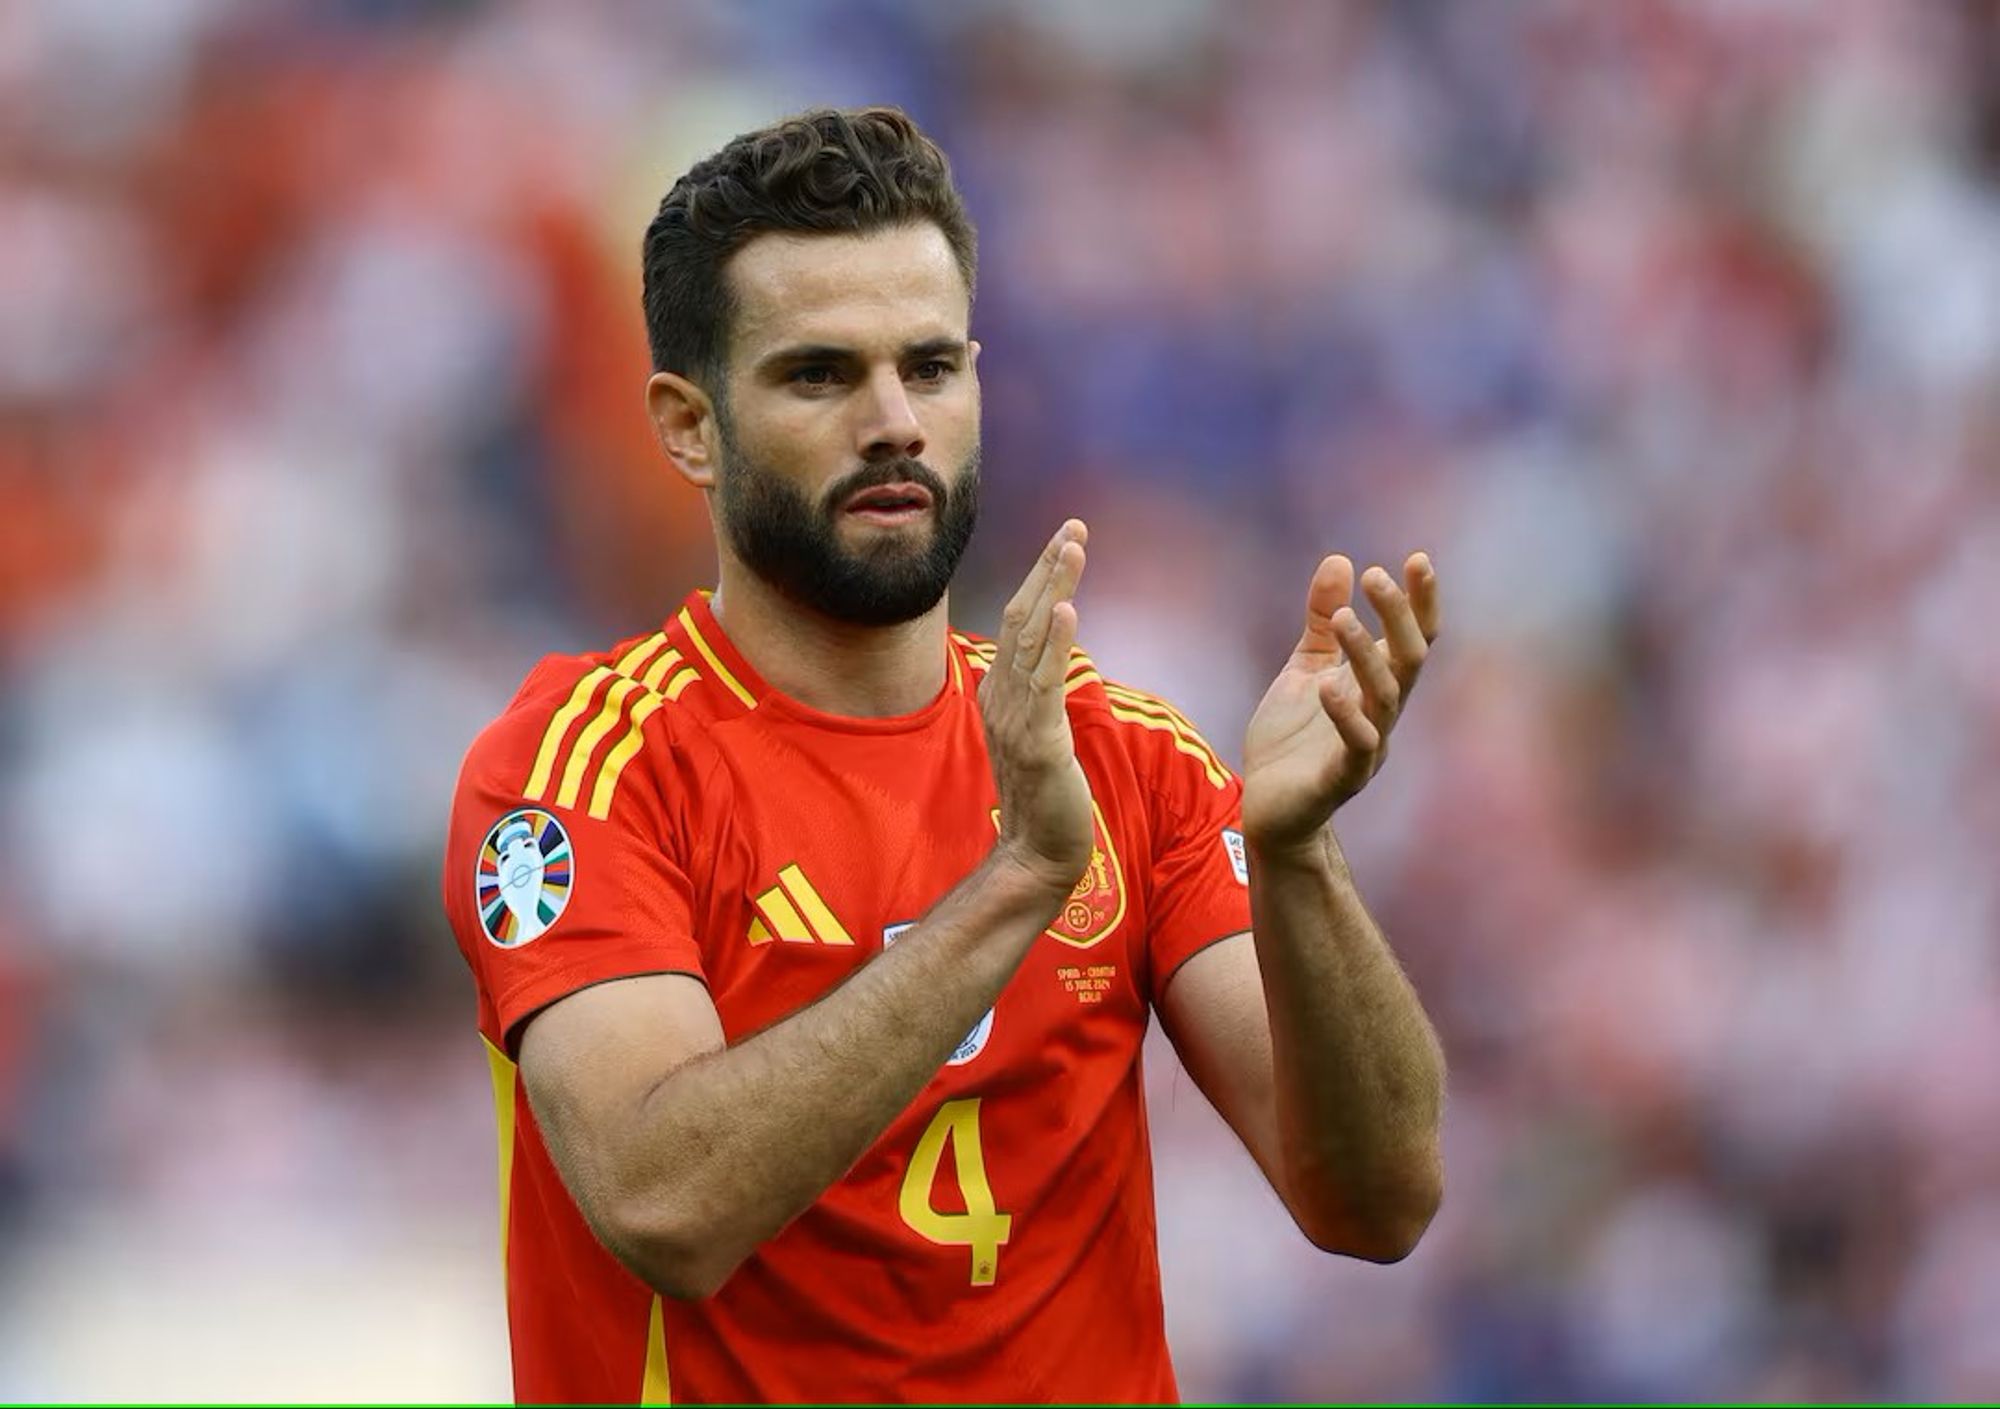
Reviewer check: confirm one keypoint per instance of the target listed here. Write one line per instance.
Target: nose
(889, 428)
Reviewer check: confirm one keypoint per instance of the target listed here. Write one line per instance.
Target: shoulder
(572, 732)
(1145, 727)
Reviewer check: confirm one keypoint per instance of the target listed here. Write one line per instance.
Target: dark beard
(795, 547)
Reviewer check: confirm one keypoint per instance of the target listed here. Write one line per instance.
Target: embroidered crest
(524, 875)
(1097, 905)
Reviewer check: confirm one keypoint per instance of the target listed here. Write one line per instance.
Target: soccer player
(815, 941)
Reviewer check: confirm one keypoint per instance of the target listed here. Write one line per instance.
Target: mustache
(881, 472)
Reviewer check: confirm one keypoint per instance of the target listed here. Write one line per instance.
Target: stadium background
(1671, 329)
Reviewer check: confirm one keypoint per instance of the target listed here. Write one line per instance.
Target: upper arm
(575, 912)
(1213, 1011)
(590, 1061)
(1208, 992)
(558, 878)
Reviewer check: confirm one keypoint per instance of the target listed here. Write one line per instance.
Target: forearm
(1358, 1072)
(728, 1149)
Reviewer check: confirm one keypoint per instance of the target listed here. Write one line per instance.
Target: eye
(814, 374)
(933, 370)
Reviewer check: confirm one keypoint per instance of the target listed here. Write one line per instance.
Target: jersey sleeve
(1200, 876)
(545, 900)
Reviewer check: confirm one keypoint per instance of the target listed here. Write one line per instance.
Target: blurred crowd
(1671, 330)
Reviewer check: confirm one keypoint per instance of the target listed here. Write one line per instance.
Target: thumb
(1332, 587)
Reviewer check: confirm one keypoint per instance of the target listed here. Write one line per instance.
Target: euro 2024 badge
(974, 1042)
(525, 871)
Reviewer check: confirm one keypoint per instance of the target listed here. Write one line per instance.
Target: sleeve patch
(1239, 857)
(523, 878)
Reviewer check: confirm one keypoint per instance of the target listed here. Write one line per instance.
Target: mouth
(889, 504)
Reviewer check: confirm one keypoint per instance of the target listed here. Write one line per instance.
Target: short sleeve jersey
(658, 808)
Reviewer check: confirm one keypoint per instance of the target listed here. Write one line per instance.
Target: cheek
(800, 443)
(954, 421)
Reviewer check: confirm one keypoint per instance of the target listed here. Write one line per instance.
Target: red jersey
(659, 808)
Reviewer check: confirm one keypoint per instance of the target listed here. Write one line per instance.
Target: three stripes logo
(627, 694)
(793, 912)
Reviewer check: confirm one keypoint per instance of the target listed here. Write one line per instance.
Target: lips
(889, 499)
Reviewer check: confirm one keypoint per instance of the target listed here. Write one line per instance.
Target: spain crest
(524, 874)
(1096, 906)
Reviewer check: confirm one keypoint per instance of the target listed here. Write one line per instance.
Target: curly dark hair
(830, 171)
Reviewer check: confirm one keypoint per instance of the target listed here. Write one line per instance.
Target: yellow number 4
(981, 1227)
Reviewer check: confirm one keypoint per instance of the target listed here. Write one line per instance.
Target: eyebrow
(827, 352)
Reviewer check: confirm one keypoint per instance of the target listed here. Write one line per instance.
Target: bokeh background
(1672, 330)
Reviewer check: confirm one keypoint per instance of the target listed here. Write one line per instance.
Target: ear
(972, 347)
(683, 419)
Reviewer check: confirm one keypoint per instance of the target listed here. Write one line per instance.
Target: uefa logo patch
(525, 871)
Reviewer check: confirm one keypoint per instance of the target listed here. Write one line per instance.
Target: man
(825, 938)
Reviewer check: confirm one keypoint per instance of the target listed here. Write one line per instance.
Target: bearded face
(877, 547)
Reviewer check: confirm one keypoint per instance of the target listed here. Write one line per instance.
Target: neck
(860, 672)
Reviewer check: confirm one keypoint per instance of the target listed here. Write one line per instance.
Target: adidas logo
(792, 911)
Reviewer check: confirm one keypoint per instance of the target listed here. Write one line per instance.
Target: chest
(802, 883)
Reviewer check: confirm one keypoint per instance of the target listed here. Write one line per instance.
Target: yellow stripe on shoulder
(635, 694)
(1153, 705)
(622, 753)
(558, 730)
(1135, 706)
(1139, 699)
(678, 685)
(585, 747)
(1211, 766)
(657, 671)
(629, 664)
(1082, 671)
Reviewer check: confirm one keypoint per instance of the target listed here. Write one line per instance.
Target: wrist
(1025, 880)
(1317, 850)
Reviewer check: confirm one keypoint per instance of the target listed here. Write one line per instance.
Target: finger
(1060, 586)
(1420, 579)
(1356, 731)
(1331, 588)
(1022, 604)
(1054, 665)
(1380, 694)
(1401, 635)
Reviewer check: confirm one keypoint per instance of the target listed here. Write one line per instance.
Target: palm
(1322, 729)
(1292, 753)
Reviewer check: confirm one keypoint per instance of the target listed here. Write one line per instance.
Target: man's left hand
(1322, 729)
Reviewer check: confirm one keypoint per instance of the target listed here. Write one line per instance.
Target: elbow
(1382, 1227)
(665, 1249)
(689, 1277)
(1380, 1239)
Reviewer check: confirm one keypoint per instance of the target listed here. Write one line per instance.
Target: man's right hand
(1045, 822)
